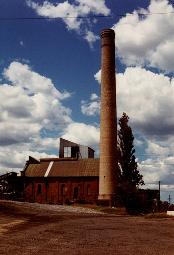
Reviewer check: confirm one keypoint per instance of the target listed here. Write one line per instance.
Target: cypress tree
(129, 177)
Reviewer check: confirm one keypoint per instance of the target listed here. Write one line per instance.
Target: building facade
(67, 179)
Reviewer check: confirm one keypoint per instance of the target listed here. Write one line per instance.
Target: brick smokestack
(108, 126)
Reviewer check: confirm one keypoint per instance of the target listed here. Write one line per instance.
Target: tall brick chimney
(108, 126)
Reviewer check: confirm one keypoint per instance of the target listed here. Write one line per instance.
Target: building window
(76, 191)
(62, 191)
(67, 152)
(88, 189)
(39, 189)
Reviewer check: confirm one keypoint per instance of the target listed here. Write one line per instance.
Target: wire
(51, 18)
(149, 154)
(155, 164)
(83, 17)
(139, 14)
(147, 14)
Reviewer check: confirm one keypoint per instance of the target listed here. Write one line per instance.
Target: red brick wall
(61, 190)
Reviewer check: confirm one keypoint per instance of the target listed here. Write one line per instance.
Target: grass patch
(157, 216)
(109, 210)
(117, 211)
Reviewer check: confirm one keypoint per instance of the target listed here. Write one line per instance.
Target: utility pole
(169, 198)
(159, 197)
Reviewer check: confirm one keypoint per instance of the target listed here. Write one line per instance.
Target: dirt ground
(28, 229)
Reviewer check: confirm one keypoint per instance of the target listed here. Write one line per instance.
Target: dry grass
(157, 216)
(31, 229)
(108, 210)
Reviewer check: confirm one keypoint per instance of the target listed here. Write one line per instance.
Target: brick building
(73, 177)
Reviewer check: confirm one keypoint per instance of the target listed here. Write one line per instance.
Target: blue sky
(50, 75)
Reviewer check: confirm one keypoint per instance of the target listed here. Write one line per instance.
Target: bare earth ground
(30, 229)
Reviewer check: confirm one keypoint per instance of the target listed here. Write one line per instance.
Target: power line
(149, 154)
(142, 14)
(84, 17)
(151, 157)
(52, 18)
(152, 13)
(155, 164)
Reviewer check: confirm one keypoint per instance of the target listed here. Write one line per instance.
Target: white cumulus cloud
(147, 98)
(91, 37)
(159, 163)
(30, 104)
(147, 40)
(80, 8)
(82, 133)
(91, 107)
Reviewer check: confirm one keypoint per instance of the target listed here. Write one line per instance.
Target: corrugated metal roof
(63, 168)
(36, 169)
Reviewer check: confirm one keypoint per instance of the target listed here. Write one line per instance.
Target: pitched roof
(36, 169)
(63, 168)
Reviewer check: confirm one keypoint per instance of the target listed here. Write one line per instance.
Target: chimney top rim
(108, 32)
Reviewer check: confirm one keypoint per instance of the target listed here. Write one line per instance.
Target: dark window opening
(62, 189)
(39, 189)
(76, 191)
(47, 184)
(75, 152)
(88, 189)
